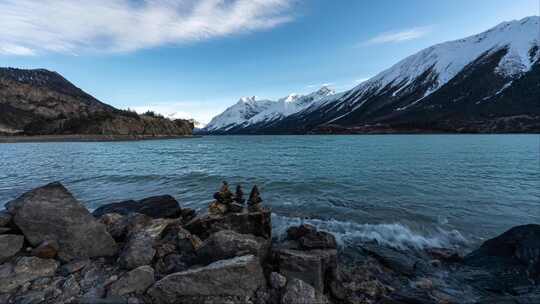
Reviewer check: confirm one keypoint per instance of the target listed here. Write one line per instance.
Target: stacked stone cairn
(227, 202)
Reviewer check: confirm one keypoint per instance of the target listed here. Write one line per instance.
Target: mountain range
(42, 102)
(486, 83)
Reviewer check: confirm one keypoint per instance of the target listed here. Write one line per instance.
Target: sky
(194, 58)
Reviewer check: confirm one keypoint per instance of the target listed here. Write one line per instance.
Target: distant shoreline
(87, 138)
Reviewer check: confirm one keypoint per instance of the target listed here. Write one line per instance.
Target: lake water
(406, 190)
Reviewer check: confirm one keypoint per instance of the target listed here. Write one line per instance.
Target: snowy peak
(501, 59)
(249, 111)
(247, 99)
(447, 59)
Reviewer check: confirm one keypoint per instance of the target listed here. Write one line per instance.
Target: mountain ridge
(42, 102)
(443, 88)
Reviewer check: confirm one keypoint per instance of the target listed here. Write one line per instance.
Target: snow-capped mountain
(488, 82)
(249, 111)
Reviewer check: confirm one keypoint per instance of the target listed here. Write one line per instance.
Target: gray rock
(318, 240)
(70, 287)
(516, 250)
(277, 281)
(74, 228)
(164, 206)
(138, 251)
(32, 297)
(171, 263)
(315, 267)
(398, 261)
(5, 218)
(95, 300)
(46, 250)
(227, 244)
(299, 292)
(25, 270)
(239, 277)
(136, 281)
(5, 230)
(255, 223)
(73, 266)
(10, 244)
(296, 232)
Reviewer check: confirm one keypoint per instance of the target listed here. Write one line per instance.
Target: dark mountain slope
(41, 102)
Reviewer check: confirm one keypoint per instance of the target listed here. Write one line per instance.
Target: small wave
(394, 235)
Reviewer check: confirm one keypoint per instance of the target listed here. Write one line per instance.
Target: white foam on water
(394, 235)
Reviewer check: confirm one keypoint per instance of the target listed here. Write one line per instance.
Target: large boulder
(308, 237)
(136, 281)
(25, 270)
(255, 223)
(5, 218)
(228, 244)
(164, 206)
(518, 247)
(237, 278)
(138, 251)
(316, 267)
(10, 244)
(52, 213)
(299, 292)
(511, 260)
(401, 262)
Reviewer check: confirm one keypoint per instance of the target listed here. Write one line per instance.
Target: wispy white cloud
(399, 36)
(29, 27)
(318, 86)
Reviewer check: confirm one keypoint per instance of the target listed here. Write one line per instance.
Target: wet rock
(517, 249)
(164, 206)
(187, 214)
(138, 251)
(5, 230)
(180, 239)
(121, 228)
(5, 218)
(75, 230)
(315, 267)
(136, 281)
(32, 297)
(255, 223)
(70, 287)
(446, 255)
(396, 260)
(96, 300)
(299, 292)
(172, 263)
(318, 240)
(277, 281)
(111, 222)
(25, 270)
(46, 250)
(227, 244)
(236, 208)
(239, 277)
(296, 232)
(10, 245)
(73, 266)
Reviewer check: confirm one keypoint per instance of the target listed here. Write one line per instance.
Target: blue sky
(195, 58)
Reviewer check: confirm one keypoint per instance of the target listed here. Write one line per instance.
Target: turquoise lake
(406, 190)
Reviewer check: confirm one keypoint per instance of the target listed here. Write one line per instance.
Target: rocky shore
(53, 250)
